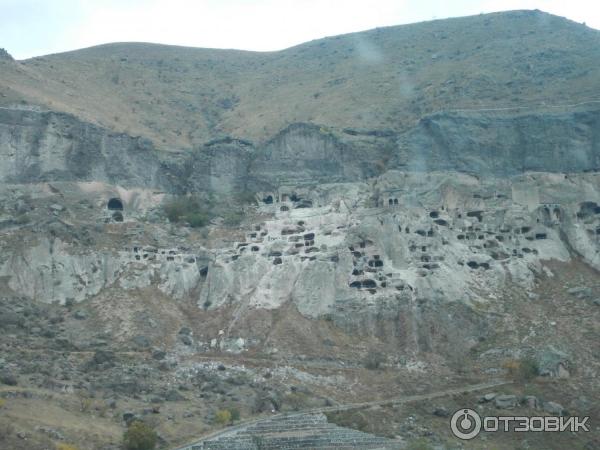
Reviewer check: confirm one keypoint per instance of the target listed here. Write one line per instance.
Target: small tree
(223, 416)
(85, 401)
(521, 370)
(139, 436)
(374, 360)
(190, 209)
(419, 444)
(63, 446)
(235, 414)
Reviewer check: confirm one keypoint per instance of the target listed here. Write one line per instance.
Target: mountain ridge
(182, 97)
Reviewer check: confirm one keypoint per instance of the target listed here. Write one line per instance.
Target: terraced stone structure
(298, 431)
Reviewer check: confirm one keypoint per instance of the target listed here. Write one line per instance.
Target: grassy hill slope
(380, 79)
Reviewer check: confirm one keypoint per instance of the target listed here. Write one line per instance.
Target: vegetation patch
(197, 211)
(139, 436)
(522, 370)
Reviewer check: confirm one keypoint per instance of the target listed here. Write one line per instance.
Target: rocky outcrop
(48, 146)
(503, 143)
(4, 55)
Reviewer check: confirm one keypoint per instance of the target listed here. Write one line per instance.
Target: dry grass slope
(380, 79)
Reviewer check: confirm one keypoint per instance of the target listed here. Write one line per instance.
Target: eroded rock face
(503, 144)
(54, 271)
(407, 256)
(46, 146)
(380, 257)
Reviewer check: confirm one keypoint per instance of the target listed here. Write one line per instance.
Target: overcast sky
(38, 27)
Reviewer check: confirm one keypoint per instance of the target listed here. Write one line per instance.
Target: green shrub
(63, 446)
(524, 369)
(179, 208)
(419, 444)
(197, 219)
(189, 209)
(350, 419)
(374, 360)
(198, 212)
(223, 416)
(235, 414)
(296, 400)
(139, 436)
(528, 369)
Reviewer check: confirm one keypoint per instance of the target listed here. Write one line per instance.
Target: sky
(38, 27)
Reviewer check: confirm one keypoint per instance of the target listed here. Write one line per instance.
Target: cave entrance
(115, 204)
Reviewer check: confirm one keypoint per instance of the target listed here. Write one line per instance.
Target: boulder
(174, 396)
(185, 331)
(159, 354)
(441, 411)
(505, 401)
(530, 401)
(80, 315)
(129, 417)
(553, 363)
(56, 207)
(487, 397)
(141, 341)
(185, 339)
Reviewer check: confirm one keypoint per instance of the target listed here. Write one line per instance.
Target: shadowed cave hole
(115, 204)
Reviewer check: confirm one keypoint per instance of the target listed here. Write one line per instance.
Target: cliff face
(47, 146)
(503, 144)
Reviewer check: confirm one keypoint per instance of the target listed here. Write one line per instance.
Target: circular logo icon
(465, 424)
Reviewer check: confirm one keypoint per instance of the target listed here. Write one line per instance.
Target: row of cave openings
(296, 201)
(374, 265)
(296, 235)
(151, 254)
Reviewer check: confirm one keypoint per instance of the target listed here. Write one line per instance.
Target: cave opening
(115, 204)
(369, 284)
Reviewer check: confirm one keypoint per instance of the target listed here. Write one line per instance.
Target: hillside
(336, 245)
(385, 78)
